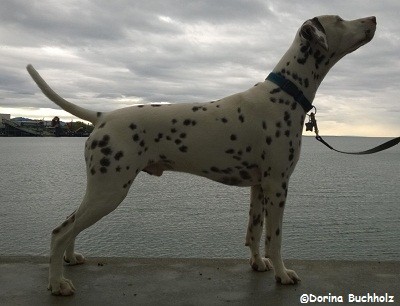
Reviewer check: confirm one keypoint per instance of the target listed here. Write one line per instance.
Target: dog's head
(337, 36)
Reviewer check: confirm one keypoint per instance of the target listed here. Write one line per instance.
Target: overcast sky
(105, 55)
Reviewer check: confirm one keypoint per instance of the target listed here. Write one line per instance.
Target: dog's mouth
(369, 34)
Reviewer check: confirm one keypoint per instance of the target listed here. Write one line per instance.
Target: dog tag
(309, 126)
(312, 124)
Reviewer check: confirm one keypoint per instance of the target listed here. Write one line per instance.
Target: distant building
(27, 127)
(4, 116)
(2, 126)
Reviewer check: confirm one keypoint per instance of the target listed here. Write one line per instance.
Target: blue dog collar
(290, 88)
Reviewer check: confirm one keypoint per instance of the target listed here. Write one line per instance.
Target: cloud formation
(104, 55)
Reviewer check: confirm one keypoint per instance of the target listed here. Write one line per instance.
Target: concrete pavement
(129, 281)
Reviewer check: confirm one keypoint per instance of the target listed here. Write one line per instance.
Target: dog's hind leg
(254, 230)
(100, 199)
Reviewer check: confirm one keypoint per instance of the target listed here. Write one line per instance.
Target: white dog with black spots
(249, 139)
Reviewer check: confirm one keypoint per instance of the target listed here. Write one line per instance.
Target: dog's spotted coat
(252, 139)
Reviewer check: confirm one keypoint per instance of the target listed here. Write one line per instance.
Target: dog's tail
(71, 108)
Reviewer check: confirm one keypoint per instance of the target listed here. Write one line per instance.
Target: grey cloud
(110, 53)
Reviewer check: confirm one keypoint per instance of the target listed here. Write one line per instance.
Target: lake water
(339, 206)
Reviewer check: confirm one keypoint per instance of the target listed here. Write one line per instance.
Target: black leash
(312, 124)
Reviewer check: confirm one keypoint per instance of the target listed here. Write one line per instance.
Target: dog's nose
(373, 19)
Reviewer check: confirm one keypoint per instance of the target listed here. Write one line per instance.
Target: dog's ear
(313, 31)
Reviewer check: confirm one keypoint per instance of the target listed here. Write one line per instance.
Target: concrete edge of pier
(162, 281)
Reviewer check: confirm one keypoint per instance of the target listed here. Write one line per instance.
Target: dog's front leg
(275, 198)
(254, 230)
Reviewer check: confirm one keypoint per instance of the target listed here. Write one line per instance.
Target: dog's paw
(289, 277)
(260, 264)
(64, 287)
(75, 259)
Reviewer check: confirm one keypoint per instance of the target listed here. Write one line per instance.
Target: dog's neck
(305, 66)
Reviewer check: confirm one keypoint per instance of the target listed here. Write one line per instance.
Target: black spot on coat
(104, 141)
(274, 91)
(244, 175)
(135, 137)
(183, 149)
(105, 162)
(106, 151)
(94, 144)
(118, 155)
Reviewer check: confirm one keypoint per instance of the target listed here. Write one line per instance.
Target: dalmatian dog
(249, 139)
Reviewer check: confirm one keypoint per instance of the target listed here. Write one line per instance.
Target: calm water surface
(339, 206)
